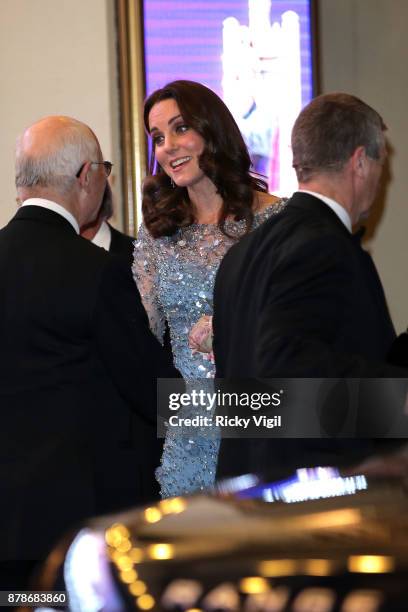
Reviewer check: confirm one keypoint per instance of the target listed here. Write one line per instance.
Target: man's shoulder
(119, 234)
(86, 259)
(304, 218)
(273, 230)
(102, 268)
(121, 243)
(87, 249)
(296, 229)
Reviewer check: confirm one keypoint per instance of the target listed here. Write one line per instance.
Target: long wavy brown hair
(225, 160)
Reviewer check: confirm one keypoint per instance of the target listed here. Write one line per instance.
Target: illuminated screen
(255, 54)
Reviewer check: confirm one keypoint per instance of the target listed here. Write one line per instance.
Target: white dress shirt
(57, 208)
(337, 208)
(103, 236)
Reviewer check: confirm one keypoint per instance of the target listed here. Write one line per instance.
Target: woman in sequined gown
(198, 200)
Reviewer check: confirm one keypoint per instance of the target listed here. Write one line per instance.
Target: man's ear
(359, 161)
(83, 175)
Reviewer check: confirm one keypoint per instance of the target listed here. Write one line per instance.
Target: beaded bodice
(175, 276)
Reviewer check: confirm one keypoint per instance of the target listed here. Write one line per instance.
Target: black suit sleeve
(129, 350)
(308, 293)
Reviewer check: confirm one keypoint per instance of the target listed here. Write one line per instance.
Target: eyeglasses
(107, 165)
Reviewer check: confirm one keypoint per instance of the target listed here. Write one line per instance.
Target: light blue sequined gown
(175, 276)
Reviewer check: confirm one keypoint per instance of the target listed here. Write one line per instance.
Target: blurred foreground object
(314, 542)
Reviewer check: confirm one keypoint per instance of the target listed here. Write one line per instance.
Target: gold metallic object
(278, 567)
(132, 91)
(371, 564)
(174, 505)
(129, 576)
(152, 515)
(161, 551)
(318, 567)
(254, 585)
(116, 534)
(137, 588)
(145, 602)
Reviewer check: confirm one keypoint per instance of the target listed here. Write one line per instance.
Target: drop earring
(172, 183)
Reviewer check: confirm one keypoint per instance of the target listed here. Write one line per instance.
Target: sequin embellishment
(175, 276)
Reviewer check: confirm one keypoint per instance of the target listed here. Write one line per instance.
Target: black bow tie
(357, 236)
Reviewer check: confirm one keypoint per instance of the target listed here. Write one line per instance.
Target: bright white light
(240, 483)
(305, 489)
(89, 584)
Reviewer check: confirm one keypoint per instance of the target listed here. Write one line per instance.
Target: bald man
(76, 353)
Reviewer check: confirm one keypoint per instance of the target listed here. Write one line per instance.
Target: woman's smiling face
(177, 146)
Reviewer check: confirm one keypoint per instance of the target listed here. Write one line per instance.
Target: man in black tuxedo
(299, 297)
(76, 352)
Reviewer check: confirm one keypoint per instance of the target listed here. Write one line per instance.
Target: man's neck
(89, 231)
(339, 210)
(336, 186)
(49, 194)
(54, 207)
(326, 189)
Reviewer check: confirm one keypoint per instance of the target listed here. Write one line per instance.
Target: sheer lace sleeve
(145, 273)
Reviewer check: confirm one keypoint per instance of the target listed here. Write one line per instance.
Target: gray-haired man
(76, 352)
(299, 297)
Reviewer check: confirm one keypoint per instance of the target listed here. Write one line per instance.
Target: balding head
(49, 156)
(50, 153)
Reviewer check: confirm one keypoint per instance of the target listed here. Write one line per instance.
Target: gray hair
(328, 131)
(58, 163)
